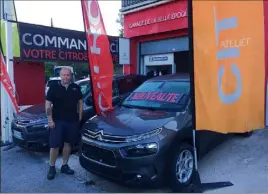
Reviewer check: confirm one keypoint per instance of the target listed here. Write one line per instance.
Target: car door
(116, 98)
(88, 110)
(127, 85)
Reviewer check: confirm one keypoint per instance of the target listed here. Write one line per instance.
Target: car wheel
(181, 168)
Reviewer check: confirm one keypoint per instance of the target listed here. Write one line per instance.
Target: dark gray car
(148, 138)
(30, 127)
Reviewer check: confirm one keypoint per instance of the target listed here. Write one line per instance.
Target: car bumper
(138, 171)
(35, 141)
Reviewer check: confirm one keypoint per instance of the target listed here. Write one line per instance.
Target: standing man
(64, 108)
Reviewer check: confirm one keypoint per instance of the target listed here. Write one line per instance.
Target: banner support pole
(196, 180)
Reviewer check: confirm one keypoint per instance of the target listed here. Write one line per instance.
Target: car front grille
(99, 155)
(34, 129)
(105, 171)
(100, 136)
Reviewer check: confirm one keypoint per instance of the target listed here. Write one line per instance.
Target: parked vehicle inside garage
(147, 139)
(30, 127)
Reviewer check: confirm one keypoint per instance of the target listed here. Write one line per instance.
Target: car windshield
(159, 95)
(51, 82)
(85, 88)
(57, 72)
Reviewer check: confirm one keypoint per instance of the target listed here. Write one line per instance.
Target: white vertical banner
(8, 15)
(124, 51)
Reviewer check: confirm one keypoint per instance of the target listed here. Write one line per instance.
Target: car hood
(33, 114)
(126, 121)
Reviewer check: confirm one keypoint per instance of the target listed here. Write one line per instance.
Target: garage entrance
(157, 65)
(165, 56)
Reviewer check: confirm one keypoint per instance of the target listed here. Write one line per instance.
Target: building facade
(158, 36)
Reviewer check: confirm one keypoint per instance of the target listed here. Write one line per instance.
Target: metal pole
(4, 126)
(191, 67)
(9, 60)
(195, 151)
(4, 96)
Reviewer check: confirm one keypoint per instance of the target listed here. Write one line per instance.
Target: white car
(51, 81)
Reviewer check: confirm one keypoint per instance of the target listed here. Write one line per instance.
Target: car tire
(184, 154)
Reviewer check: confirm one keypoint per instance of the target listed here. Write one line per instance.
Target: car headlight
(143, 136)
(140, 150)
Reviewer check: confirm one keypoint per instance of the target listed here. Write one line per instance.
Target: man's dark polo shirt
(65, 101)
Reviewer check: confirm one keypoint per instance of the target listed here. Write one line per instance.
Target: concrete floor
(244, 162)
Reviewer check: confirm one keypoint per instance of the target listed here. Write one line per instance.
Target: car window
(57, 72)
(160, 95)
(85, 88)
(139, 80)
(115, 89)
(129, 84)
(122, 86)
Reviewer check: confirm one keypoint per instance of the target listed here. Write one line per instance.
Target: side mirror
(89, 101)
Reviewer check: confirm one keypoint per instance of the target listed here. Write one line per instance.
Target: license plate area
(101, 155)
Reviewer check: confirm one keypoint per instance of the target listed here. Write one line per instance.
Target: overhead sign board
(43, 43)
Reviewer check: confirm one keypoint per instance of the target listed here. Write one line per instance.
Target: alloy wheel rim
(184, 166)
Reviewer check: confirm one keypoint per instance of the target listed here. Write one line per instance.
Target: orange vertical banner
(229, 65)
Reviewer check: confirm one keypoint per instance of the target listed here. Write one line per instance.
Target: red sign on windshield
(156, 96)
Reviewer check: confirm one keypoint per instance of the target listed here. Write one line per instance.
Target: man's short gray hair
(65, 69)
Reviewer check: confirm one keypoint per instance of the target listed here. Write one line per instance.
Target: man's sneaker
(51, 173)
(66, 170)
